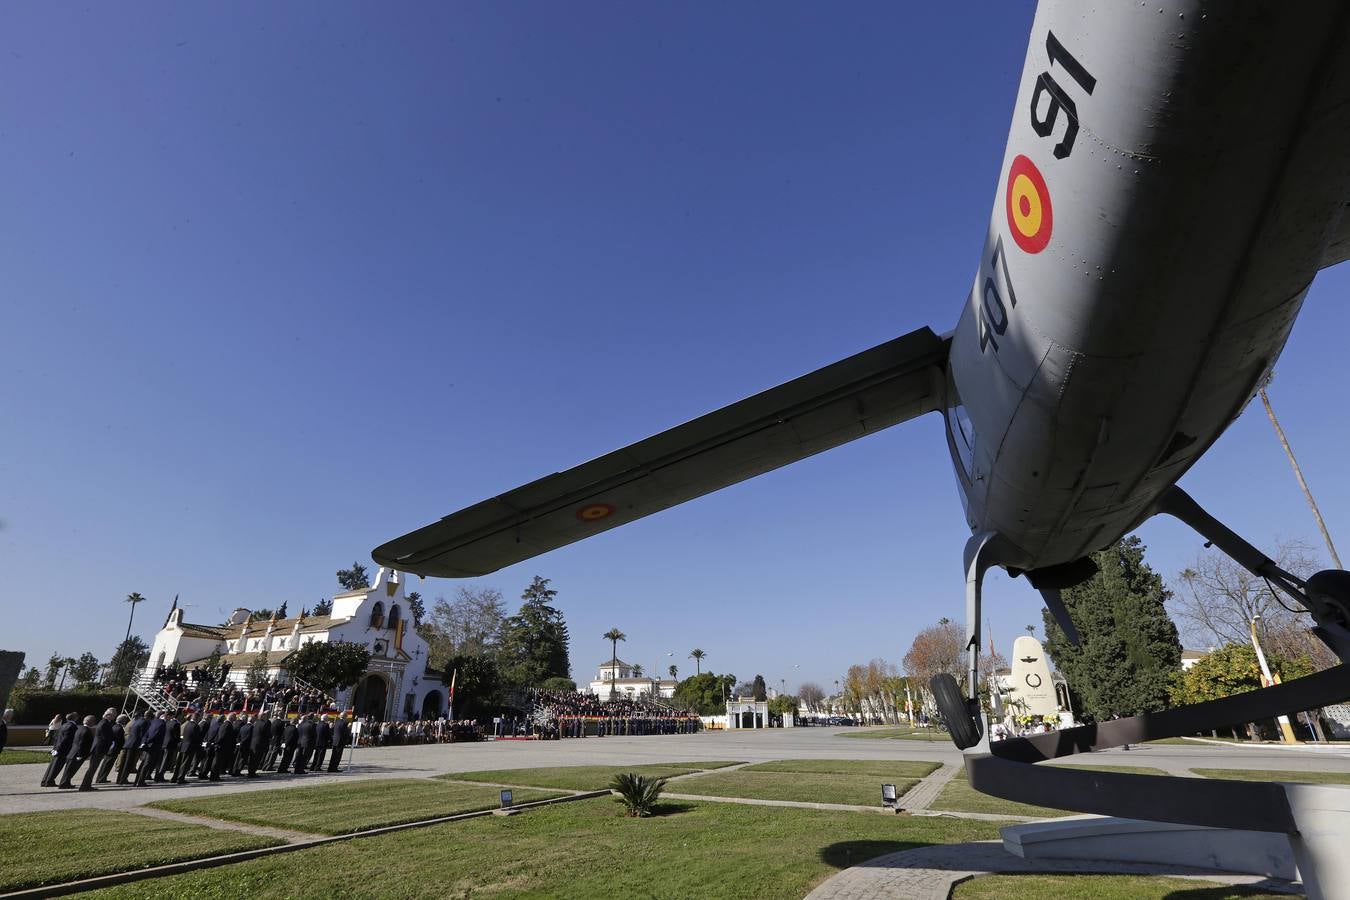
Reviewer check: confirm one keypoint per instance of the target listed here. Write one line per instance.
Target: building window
(377, 615)
(393, 616)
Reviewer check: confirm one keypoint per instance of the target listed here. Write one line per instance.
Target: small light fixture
(506, 798)
(888, 797)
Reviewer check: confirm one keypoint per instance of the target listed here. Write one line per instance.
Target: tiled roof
(615, 662)
(241, 661)
(202, 631)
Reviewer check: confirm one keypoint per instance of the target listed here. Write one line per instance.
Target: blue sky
(285, 282)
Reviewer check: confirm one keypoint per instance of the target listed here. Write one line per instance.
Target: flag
(450, 711)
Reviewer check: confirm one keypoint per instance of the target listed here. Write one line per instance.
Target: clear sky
(282, 282)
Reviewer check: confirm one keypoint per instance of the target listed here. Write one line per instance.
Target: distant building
(397, 683)
(618, 674)
(1191, 657)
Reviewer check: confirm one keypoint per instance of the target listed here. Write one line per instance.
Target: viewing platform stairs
(148, 691)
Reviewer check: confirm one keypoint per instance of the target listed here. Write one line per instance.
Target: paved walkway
(930, 873)
(922, 795)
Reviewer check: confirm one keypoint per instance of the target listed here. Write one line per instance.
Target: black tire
(955, 709)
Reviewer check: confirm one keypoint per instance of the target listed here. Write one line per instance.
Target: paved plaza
(19, 791)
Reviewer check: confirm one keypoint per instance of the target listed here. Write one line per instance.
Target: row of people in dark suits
(179, 745)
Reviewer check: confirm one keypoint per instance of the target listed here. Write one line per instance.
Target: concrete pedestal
(1135, 840)
(1322, 845)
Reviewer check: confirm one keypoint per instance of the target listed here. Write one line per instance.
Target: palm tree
(1298, 473)
(614, 635)
(132, 598)
(674, 672)
(697, 656)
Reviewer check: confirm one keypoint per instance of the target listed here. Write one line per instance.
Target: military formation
(167, 746)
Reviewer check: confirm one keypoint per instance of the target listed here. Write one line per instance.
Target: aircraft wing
(846, 400)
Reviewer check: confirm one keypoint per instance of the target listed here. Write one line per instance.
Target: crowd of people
(378, 733)
(174, 746)
(568, 714)
(210, 690)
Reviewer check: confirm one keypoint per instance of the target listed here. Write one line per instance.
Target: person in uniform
(289, 737)
(208, 761)
(152, 748)
(104, 737)
(226, 742)
(189, 749)
(5, 718)
(132, 751)
(341, 735)
(80, 748)
(322, 740)
(258, 742)
(119, 738)
(305, 737)
(61, 744)
(243, 744)
(278, 732)
(173, 732)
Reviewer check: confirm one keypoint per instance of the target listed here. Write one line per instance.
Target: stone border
(210, 862)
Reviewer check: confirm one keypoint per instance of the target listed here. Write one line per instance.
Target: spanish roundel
(1031, 218)
(595, 512)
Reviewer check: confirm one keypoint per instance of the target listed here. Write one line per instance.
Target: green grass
(351, 806)
(12, 757)
(49, 847)
(1101, 887)
(581, 778)
(897, 734)
(584, 849)
(1259, 775)
(878, 768)
(853, 782)
(959, 796)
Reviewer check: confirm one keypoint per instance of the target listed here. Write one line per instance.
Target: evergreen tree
(85, 669)
(353, 579)
(417, 609)
(131, 656)
(757, 689)
(1130, 650)
(323, 608)
(535, 640)
(477, 684)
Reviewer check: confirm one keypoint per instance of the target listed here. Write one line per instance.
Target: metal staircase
(148, 691)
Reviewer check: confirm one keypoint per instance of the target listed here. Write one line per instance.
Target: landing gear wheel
(956, 711)
(1332, 587)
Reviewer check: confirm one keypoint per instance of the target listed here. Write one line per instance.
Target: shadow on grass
(667, 808)
(843, 854)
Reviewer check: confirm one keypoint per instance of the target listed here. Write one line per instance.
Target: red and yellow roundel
(1031, 218)
(595, 512)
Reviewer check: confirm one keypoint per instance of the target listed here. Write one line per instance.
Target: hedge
(38, 707)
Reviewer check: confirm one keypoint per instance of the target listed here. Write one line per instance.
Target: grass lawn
(1260, 775)
(350, 806)
(856, 782)
(581, 778)
(48, 847)
(14, 757)
(959, 796)
(583, 849)
(897, 734)
(1101, 887)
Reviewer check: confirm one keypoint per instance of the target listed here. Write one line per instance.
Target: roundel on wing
(1031, 217)
(594, 512)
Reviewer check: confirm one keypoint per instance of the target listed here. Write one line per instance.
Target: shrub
(638, 792)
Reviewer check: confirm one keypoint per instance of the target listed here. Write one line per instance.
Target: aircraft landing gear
(962, 714)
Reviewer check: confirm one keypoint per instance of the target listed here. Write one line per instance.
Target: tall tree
(260, 615)
(758, 689)
(705, 693)
(133, 598)
(353, 579)
(324, 607)
(416, 608)
(535, 640)
(674, 671)
(55, 663)
(937, 650)
(1298, 473)
(811, 694)
(470, 625)
(85, 669)
(1130, 651)
(130, 656)
(329, 665)
(697, 655)
(614, 635)
(1216, 600)
(256, 676)
(477, 684)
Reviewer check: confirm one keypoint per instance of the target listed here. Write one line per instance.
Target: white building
(397, 683)
(619, 675)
